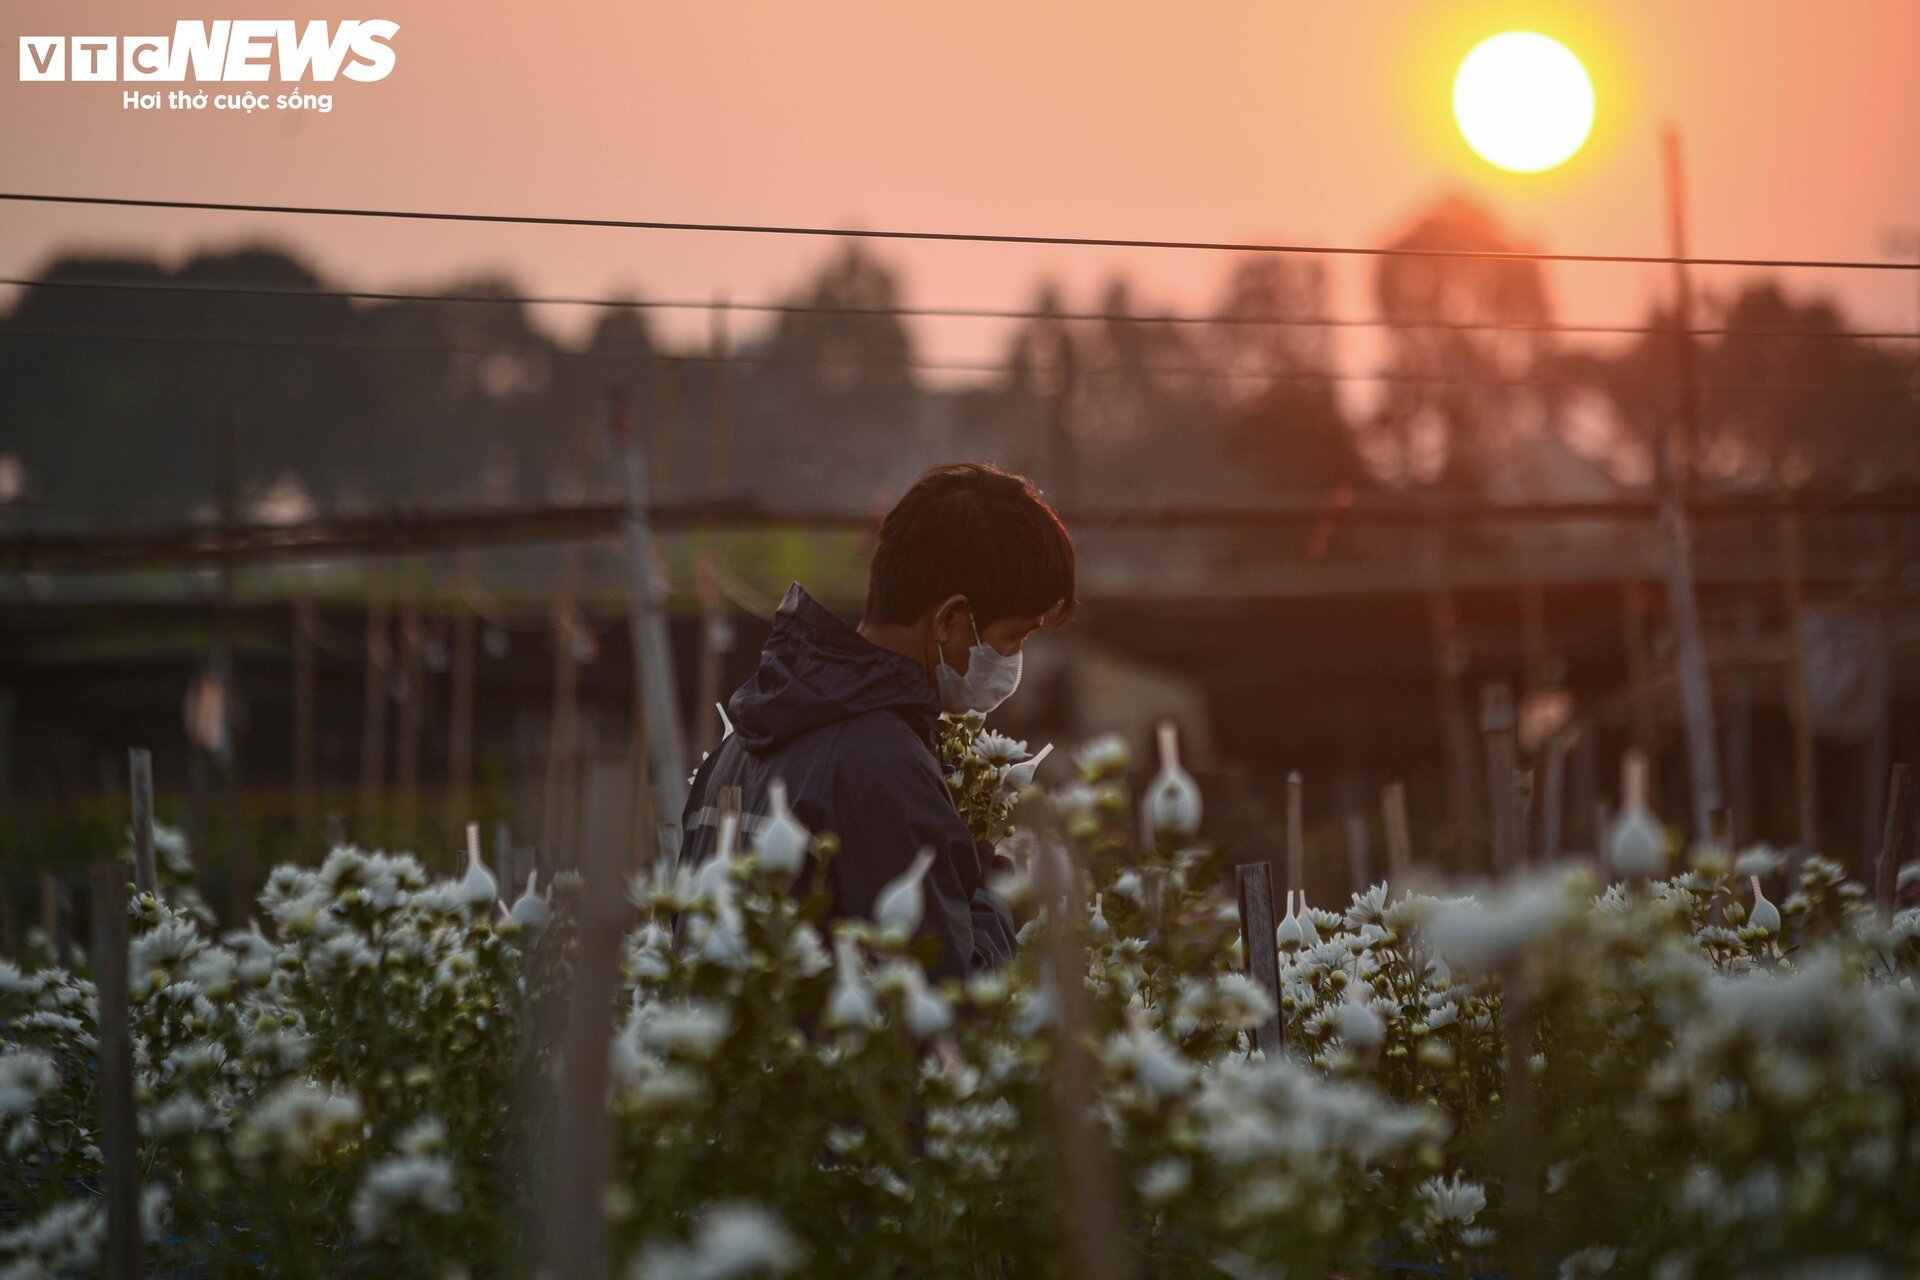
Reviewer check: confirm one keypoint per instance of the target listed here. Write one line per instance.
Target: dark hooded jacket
(851, 727)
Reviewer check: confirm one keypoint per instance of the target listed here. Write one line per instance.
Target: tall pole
(1671, 458)
(652, 652)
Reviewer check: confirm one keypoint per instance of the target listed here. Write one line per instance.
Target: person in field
(970, 563)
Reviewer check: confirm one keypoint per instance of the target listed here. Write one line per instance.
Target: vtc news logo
(233, 51)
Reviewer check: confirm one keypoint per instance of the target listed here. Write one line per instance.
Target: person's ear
(949, 618)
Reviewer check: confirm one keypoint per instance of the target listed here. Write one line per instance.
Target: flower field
(1556, 1076)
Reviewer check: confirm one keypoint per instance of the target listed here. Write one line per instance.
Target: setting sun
(1523, 101)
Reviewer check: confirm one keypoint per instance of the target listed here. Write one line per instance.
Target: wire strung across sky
(1049, 369)
(936, 312)
(963, 237)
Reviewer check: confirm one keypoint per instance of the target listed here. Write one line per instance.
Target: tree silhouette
(1456, 395)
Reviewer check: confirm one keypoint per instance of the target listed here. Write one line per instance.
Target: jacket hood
(816, 670)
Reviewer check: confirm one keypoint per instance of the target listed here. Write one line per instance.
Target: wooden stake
(647, 627)
(714, 646)
(1519, 1239)
(1456, 733)
(1740, 724)
(54, 919)
(1358, 854)
(1393, 802)
(304, 800)
(1523, 815)
(1892, 837)
(140, 776)
(1633, 621)
(1497, 735)
(1092, 1197)
(720, 409)
(1806, 761)
(573, 1240)
(412, 719)
(1553, 806)
(504, 869)
(1296, 835)
(1254, 882)
(373, 725)
(119, 1128)
(563, 738)
(460, 719)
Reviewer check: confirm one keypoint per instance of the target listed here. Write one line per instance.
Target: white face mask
(990, 680)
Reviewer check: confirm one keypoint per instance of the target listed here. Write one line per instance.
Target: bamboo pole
(1671, 459)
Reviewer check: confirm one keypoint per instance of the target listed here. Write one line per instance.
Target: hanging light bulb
(1172, 806)
(1637, 845)
(781, 843)
(478, 888)
(530, 909)
(1289, 935)
(901, 901)
(1765, 914)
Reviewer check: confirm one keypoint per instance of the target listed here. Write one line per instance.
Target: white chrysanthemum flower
(1104, 755)
(998, 749)
(694, 1029)
(1150, 1061)
(295, 1121)
(404, 1183)
(1369, 907)
(1478, 936)
(178, 1116)
(1760, 860)
(731, 1242)
(1455, 1200)
(25, 1074)
(1164, 1180)
(15, 983)
(806, 957)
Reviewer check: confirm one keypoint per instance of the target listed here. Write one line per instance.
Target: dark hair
(971, 529)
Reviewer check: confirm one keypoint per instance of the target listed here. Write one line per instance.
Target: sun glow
(1523, 101)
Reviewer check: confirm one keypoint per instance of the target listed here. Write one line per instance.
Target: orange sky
(1321, 122)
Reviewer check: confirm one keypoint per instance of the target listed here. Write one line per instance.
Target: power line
(416, 529)
(912, 366)
(963, 237)
(948, 312)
